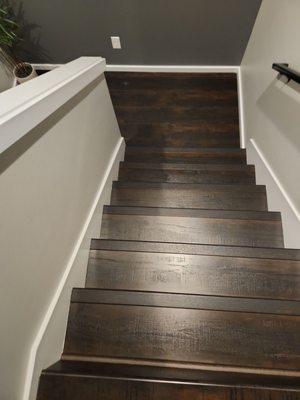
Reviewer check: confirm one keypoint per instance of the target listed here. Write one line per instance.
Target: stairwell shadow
(280, 103)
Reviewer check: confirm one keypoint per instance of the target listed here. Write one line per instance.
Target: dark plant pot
(24, 74)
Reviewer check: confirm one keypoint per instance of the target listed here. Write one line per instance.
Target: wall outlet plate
(116, 42)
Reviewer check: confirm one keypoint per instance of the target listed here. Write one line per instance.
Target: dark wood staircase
(190, 293)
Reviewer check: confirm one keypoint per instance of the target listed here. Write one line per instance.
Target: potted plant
(9, 37)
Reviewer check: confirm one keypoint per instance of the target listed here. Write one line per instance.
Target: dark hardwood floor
(190, 293)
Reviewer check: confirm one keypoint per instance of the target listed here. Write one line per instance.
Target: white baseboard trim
(276, 179)
(55, 299)
(241, 109)
(174, 68)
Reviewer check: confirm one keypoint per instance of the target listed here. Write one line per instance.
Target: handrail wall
(25, 106)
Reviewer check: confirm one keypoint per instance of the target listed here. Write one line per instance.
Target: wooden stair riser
(246, 177)
(184, 335)
(222, 197)
(194, 274)
(201, 156)
(216, 231)
(91, 388)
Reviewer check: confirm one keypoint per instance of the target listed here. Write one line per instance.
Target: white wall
(49, 182)
(6, 78)
(272, 107)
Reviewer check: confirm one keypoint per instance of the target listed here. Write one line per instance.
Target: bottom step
(107, 381)
(242, 335)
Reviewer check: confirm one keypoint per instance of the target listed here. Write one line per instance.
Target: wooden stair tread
(194, 274)
(231, 338)
(157, 80)
(77, 380)
(193, 155)
(239, 228)
(187, 195)
(188, 167)
(182, 134)
(172, 375)
(186, 301)
(194, 213)
(201, 249)
(185, 173)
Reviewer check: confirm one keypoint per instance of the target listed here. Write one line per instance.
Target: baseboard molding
(38, 357)
(241, 109)
(174, 68)
(278, 197)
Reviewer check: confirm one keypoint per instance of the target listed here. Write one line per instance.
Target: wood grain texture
(185, 335)
(184, 173)
(182, 300)
(178, 195)
(201, 249)
(176, 110)
(190, 229)
(181, 134)
(86, 387)
(185, 376)
(194, 274)
(185, 155)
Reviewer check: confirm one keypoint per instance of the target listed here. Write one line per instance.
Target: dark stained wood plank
(184, 335)
(208, 115)
(216, 197)
(144, 172)
(182, 134)
(243, 232)
(194, 274)
(162, 81)
(194, 213)
(76, 387)
(174, 375)
(188, 166)
(174, 97)
(190, 301)
(201, 249)
(204, 156)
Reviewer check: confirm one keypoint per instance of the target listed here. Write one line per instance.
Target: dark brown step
(75, 380)
(174, 97)
(180, 195)
(238, 228)
(186, 155)
(194, 274)
(139, 329)
(187, 173)
(202, 115)
(187, 301)
(182, 134)
(194, 249)
(161, 81)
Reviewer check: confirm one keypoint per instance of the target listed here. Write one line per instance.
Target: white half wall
(53, 183)
(272, 108)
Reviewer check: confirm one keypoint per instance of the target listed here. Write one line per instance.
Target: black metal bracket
(290, 73)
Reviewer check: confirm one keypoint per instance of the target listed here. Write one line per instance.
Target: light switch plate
(116, 42)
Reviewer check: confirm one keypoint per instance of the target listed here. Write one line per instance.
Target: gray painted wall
(168, 32)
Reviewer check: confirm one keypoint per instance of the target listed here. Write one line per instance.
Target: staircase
(190, 293)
